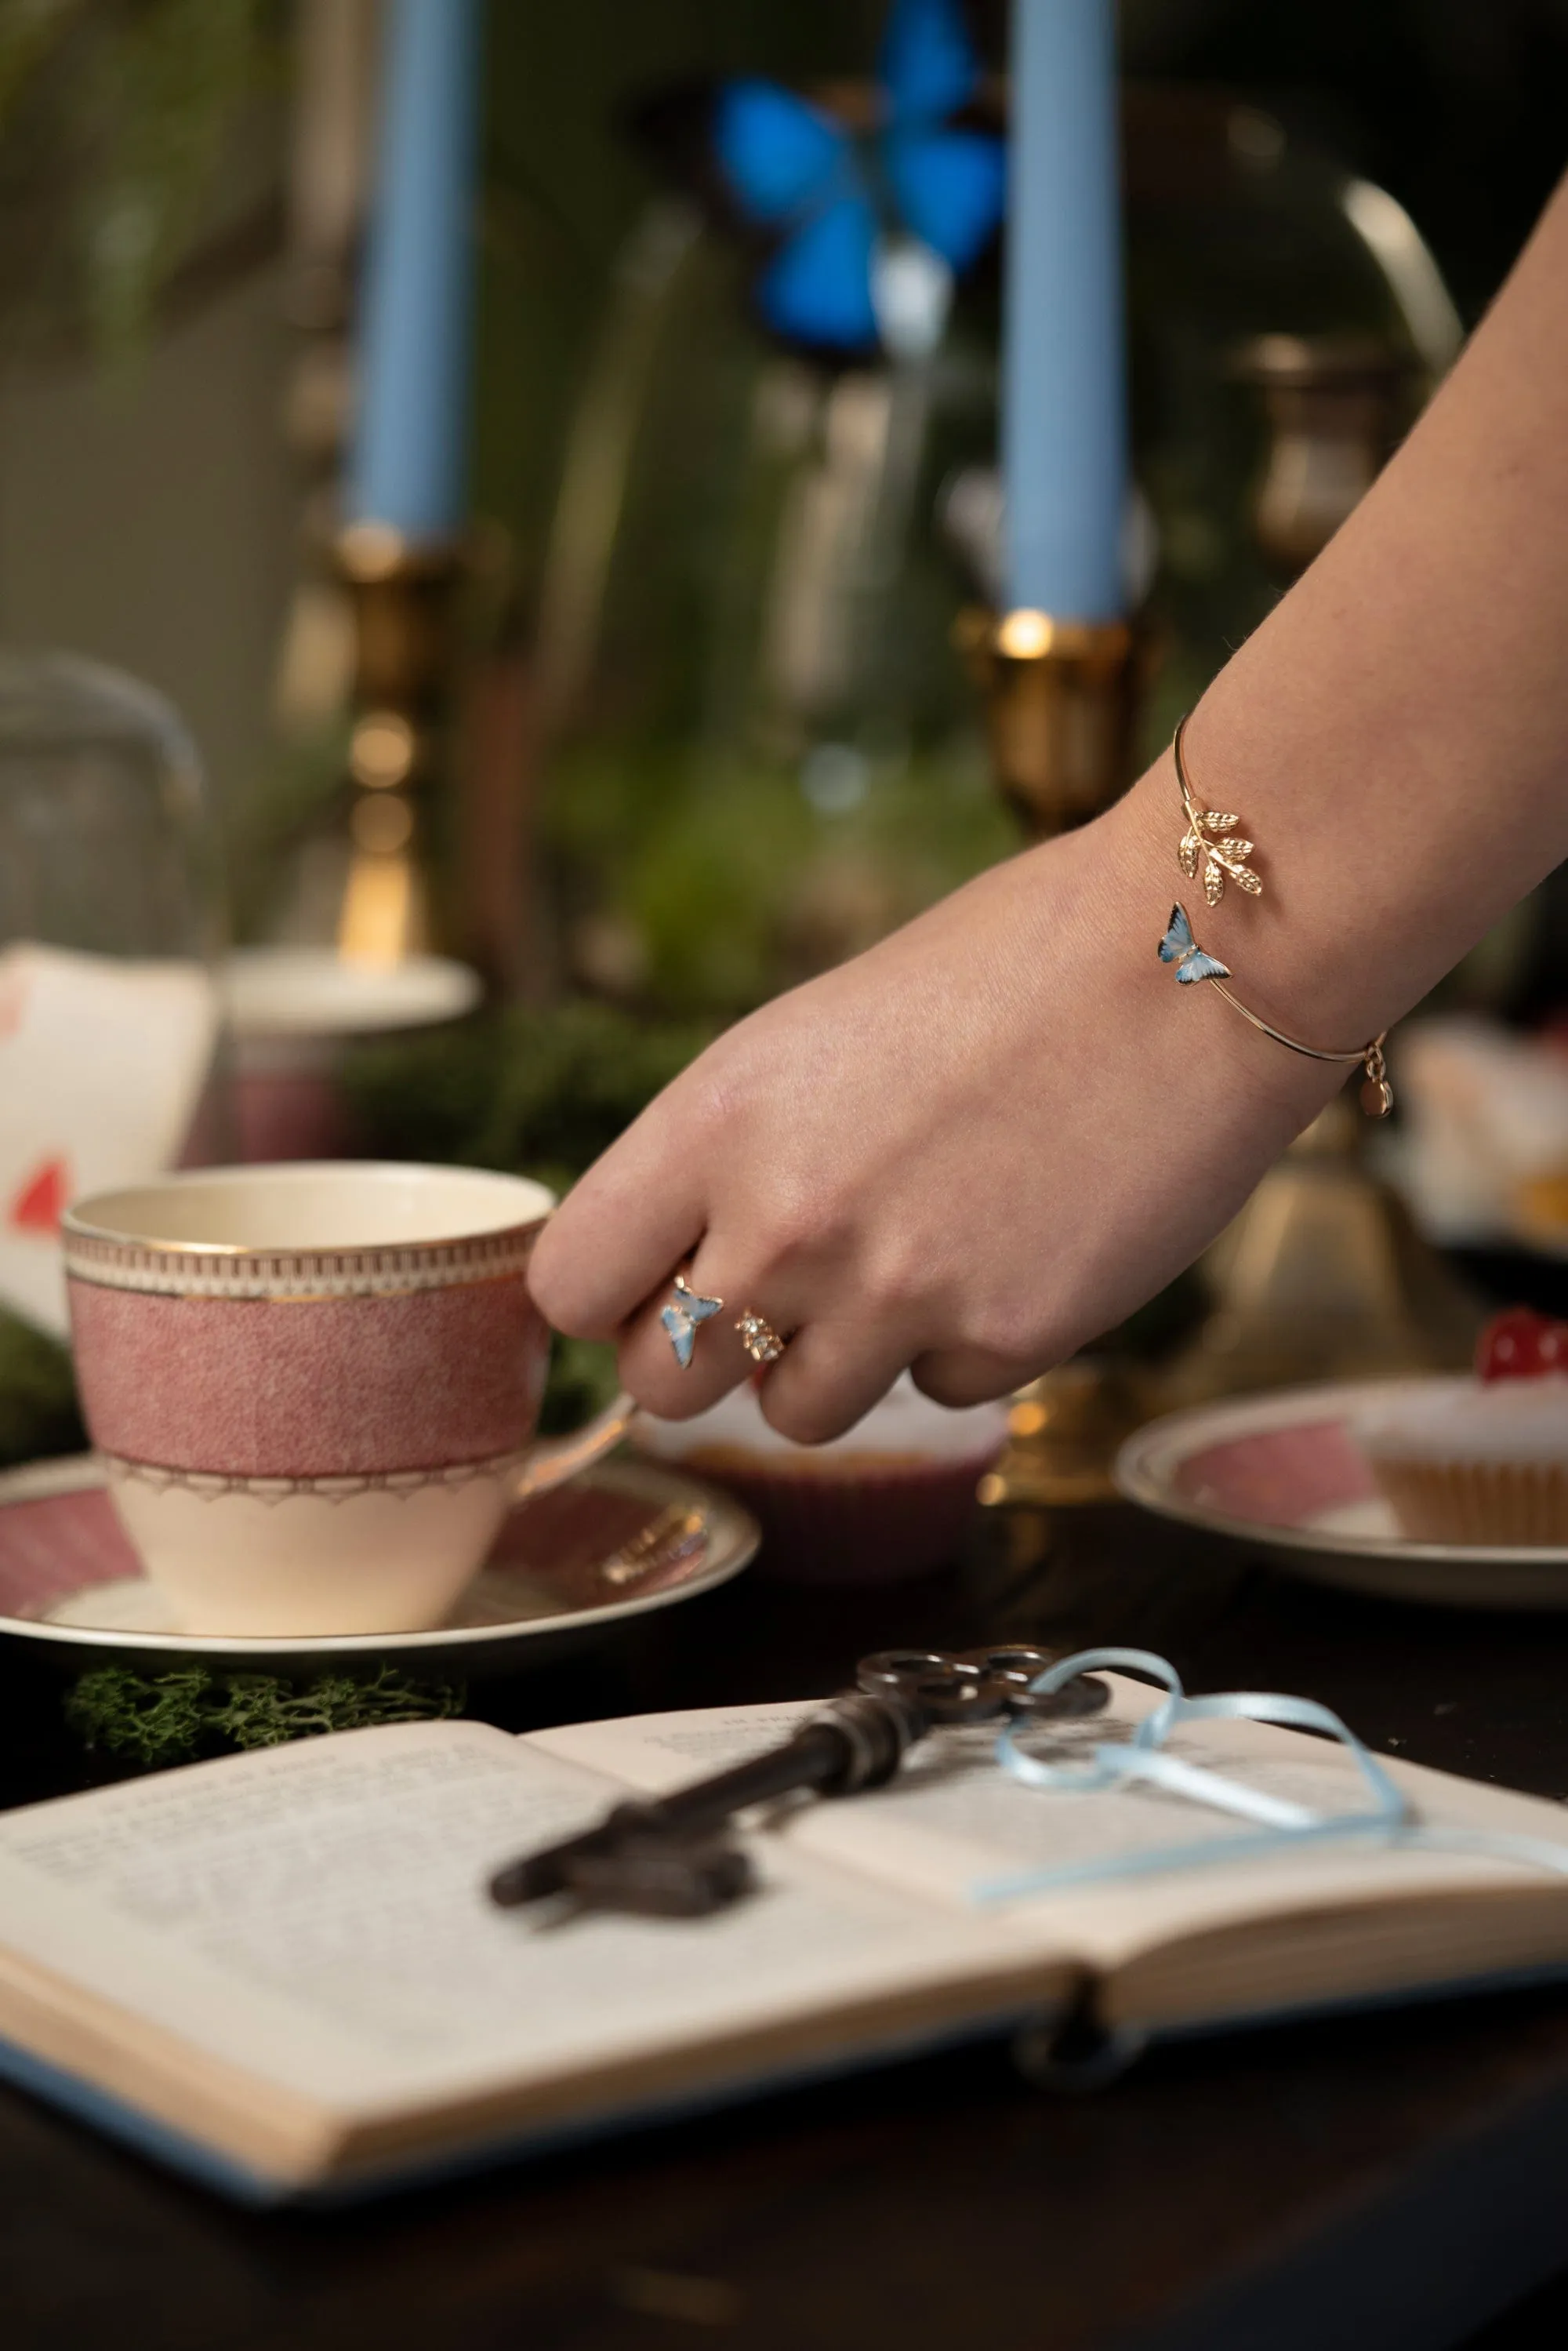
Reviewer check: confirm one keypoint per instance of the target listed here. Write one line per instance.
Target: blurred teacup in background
(314, 1387)
(292, 1013)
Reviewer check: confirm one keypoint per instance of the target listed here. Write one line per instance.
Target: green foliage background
(114, 119)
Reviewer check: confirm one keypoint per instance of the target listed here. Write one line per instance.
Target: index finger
(619, 1233)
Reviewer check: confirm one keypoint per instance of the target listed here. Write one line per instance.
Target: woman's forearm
(1396, 735)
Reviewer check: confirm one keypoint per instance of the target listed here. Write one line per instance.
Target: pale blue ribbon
(1284, 1826)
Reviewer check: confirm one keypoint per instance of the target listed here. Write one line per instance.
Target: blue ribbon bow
(1283, 1825)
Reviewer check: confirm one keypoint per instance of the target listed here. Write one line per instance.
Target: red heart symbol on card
(41, 1202)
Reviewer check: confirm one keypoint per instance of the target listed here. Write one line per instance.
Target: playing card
(101, 1063)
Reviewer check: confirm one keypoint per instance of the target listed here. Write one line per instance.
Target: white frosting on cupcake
(1476, 1420)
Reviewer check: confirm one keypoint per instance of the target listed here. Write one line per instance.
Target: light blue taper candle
(415, 317)
(1065, 430)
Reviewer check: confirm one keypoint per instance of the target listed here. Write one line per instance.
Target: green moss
(153, 1720)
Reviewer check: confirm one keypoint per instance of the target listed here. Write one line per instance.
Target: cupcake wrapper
(1476, 1501)
(861, 1529)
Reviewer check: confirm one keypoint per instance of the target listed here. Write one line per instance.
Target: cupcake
(892, 1497)
(1483, 1460)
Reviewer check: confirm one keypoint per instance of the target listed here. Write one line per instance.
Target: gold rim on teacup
(108, 1239)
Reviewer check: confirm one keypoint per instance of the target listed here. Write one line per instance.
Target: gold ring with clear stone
(759, 1339)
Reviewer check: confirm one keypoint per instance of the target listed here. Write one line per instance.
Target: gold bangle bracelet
(1193, 965)
(1211, 847)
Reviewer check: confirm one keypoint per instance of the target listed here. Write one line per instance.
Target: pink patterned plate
(621, 1540)
(1282, 1473)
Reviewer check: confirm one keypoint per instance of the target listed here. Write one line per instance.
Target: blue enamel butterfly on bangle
(1179, 947)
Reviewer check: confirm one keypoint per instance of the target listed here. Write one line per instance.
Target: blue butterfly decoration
(682, 1316)
(843, 205)
(1179, 947)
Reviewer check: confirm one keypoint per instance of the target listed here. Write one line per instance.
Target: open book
(282, 1969)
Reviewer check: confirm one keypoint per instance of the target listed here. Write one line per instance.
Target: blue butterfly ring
(688, 1309)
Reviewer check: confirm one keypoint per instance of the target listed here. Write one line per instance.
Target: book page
(657, 1753)
(317, 1914)
(954, 1821)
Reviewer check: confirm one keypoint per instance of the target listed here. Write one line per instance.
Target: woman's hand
(972, 1150)
(975, 1148)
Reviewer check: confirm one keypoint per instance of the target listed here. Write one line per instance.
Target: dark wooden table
(1391, 2182)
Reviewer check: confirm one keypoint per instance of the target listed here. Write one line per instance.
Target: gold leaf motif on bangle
(1211, 847)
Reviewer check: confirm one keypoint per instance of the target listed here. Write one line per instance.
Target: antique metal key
(668, 1856)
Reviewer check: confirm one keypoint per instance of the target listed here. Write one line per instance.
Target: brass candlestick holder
(402, 595)
(1321, 1276)
(1061, 703)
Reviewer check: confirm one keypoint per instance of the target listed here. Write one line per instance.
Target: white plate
(1282, 1473)
(314, 992)
(557, 1578)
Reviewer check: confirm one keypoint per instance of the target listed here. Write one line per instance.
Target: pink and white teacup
(314, 1387)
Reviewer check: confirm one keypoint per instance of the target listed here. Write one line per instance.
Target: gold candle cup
(1060, 699)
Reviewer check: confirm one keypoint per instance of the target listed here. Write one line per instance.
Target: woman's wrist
(1130, 879)
(1317, 950)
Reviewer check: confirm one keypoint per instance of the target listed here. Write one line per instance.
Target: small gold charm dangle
(1376, 1093)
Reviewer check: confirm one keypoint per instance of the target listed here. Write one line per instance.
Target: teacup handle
(560, 1457)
